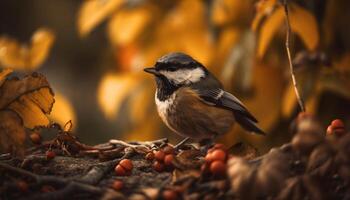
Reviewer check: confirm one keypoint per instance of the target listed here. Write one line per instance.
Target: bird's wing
(221, 98)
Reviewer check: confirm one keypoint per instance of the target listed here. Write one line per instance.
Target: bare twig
(300, 100)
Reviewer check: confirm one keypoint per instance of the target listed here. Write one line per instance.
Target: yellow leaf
(41, 44)
(126, 25)
(263, 8)
(63, 111)
(305, 25)
(93, 12)
(23, 57)
(141, 102)
(289, 101)
(172, 33)
(269, 29)
(3, 74)
(229, 11)
(227, 40)
(112, 91)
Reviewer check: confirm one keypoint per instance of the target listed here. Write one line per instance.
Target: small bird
(193, 103)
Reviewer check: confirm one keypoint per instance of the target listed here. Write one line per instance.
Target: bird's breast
(165, 107)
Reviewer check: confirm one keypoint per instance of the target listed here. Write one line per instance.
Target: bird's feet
(179, 145)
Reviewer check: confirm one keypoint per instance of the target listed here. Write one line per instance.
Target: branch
(300, 100)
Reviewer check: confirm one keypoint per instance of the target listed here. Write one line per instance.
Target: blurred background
(93, 52)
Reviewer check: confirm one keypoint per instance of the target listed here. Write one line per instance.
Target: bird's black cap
(176, 59)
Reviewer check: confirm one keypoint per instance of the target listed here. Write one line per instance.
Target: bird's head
(177, 69)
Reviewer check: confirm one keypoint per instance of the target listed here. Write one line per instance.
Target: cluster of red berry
(336, 128)
(215, 160)
(124, 168)
(163, 158)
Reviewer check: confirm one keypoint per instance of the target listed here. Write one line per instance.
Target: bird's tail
(248, 124)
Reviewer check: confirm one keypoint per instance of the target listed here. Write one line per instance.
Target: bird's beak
(151, 70)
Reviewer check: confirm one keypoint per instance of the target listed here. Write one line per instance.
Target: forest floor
(312, 165)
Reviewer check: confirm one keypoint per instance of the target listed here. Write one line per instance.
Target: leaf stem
(299, 98)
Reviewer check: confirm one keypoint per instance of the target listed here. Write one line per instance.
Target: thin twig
(300, 100)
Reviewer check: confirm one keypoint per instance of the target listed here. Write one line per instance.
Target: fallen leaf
(12, 133)
(93, 12)
(24, 103)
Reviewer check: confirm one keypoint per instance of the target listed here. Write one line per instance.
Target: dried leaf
(126, 25)
(31, 97)
(22, 57)
(93, 12)
(304, 24)
(63, 111)
(12, 133)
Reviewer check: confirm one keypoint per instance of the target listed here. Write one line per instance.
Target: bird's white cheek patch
(184, 75)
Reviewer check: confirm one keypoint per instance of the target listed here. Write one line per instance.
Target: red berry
(47, 188)
(339, 132)
(126, 164)
(22, 185)
(168, 150)
(35, 138)
(337, 123)
(170, 195)
(118, 185)
(159, 155)
(219, 154)
(149, 156)
(50, 155)
(218, 167)
(168, 160)
(329, 130)
(119, 170)
(209, 157)
(158, 166)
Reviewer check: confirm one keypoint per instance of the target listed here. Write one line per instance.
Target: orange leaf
(93, 12)
(269, 29)
(304, 24)
(23, 57)
(127, 24)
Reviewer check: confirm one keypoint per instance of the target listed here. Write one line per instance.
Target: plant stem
(299, 98)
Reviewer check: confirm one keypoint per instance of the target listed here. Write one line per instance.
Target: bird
(192, 102)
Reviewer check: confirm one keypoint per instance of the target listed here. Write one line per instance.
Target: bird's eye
(172, 69)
